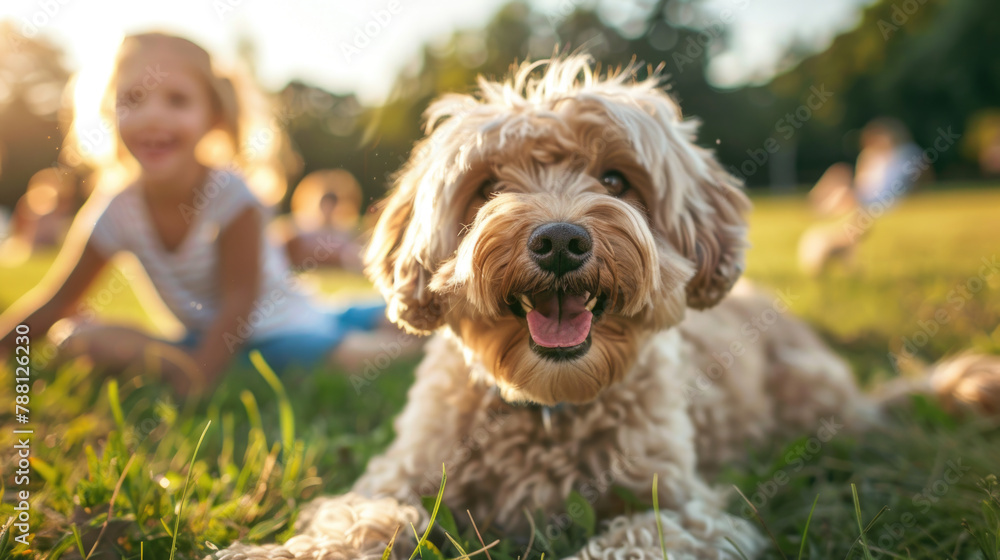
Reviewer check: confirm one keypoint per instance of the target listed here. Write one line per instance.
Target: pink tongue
(559, 320)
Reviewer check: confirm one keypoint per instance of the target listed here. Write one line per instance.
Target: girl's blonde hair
(247, 135)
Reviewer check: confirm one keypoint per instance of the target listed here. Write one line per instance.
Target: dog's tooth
(526, 302)
(590, 304)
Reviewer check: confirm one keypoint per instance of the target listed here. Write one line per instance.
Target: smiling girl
(197, 231)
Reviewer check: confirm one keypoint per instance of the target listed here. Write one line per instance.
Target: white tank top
(187, 278)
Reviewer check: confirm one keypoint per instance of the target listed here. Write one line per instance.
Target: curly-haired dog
(561, 234)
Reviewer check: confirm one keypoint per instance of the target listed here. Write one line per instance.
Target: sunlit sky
(308, 39)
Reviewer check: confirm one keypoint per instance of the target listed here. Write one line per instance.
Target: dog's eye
(615, 182)
(489, 188)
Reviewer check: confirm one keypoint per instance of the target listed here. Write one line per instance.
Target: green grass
(923, 490)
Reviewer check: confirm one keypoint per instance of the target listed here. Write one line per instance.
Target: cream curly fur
(663, 389)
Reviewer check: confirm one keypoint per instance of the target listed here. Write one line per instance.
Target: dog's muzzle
(559, 320)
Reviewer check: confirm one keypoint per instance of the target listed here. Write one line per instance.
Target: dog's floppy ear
(393, 260)
(711, 233)
(701, 208)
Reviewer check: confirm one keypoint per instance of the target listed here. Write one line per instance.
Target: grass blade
(77, 539)
(868, 528)
(388, 548)
(457, 546)
(253, 411)
(45, 470)
(805, 532)
(486, 548)
(170, 532)
(659, 522)
(111, 506)
(857, 512)
(115, 402)
(5, 537)
(430, 524)
(760, 520)
(285, 412)
(737, 547)
(184, 493)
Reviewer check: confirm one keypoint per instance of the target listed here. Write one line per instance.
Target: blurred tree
(32, 79)
(517, 32)
(677, 36)
(931, 63)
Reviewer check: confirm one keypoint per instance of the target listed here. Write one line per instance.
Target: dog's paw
(354, 526)
(969, 381)
(347, 527)
(240, 551)
(695, 534)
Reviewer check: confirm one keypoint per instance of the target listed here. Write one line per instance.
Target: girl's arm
(54, 297)
(239, 282)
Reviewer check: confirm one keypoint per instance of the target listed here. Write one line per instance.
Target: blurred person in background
(41, 217)
(323, 227)
(849, 199)
(982, 141)
(989, 156)
(196, 229)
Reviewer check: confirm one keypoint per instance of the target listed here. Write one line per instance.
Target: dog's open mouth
(559, 322)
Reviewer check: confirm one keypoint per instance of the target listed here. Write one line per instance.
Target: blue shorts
(304, 348)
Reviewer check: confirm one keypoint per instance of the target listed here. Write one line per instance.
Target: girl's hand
(56, 295)
(186, 383)
(182, 371)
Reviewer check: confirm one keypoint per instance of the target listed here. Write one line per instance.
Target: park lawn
(270, 446)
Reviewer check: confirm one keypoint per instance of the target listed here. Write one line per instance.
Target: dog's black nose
(560, 247)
